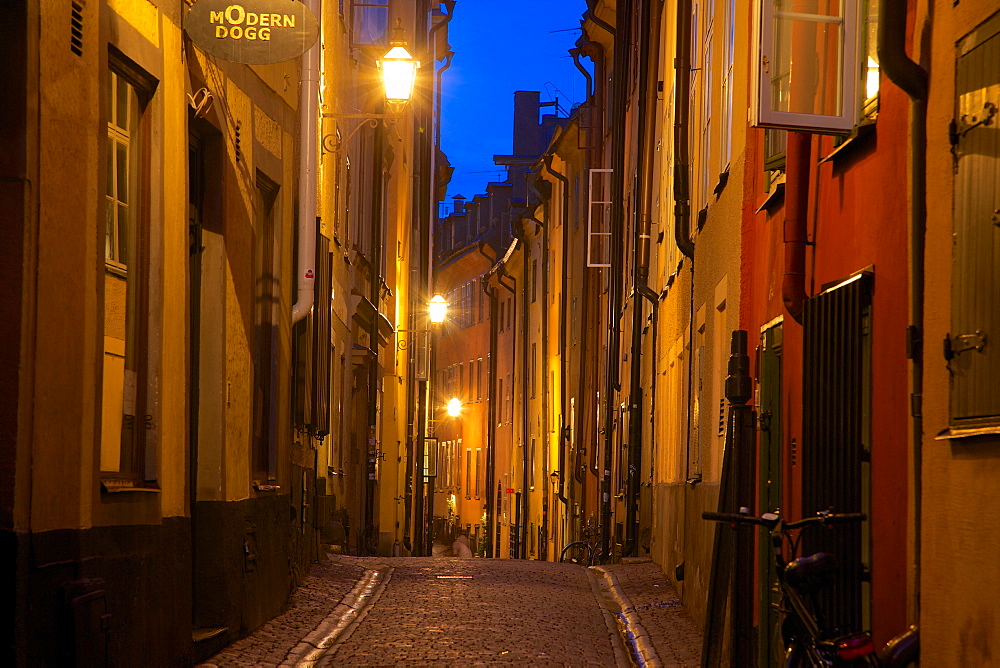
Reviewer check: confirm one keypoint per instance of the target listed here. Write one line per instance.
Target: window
(729, 57)
(266, 290)
(972, 352)
(468, 473)
(775, 142)
(479, 379)
(479, 473)
(534, 369)
(127, 428)
(534, 280)
(705, 158)
(807, 65)
(502, 403)
(599, 218)
(371, 22)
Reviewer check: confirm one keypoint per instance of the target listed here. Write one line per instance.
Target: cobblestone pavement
(325, 585)
(672, 634)
(449, 611)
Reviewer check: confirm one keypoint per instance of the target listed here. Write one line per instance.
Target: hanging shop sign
(255, 32)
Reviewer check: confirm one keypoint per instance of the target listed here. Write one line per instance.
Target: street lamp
(399, 70)
(454, 407)
(438, 309)
(399, 73)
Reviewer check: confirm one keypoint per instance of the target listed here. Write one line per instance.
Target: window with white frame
(728, 59)
(599, 219)
(808, 70)
(128, 425)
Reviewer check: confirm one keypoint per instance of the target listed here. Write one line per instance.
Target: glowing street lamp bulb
(399, 72)
(438, 309)
(454, 406)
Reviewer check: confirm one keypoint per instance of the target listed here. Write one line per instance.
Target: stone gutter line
(341, 620)
(635, 634)
(614, 628)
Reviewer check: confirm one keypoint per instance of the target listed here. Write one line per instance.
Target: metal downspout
(547, 160)
(490, 408)
(513, 352)
(798, 157)
(525, 380)
(682, 148)
(620, 78)
(912, 78)
(682, 225)
(308, 119)
(375, 295)
(589, 14)
(649, 32)
(575, 53)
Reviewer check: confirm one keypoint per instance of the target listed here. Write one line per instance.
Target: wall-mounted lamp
(399, 70)
(454, 407)
(438, 309)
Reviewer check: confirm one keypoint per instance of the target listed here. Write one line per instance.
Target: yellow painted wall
(959, 574)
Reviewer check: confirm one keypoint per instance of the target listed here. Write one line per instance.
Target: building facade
(208, 261)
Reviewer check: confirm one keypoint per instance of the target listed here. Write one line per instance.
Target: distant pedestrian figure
(460, 548)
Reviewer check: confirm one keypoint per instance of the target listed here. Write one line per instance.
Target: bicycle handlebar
(733, 518)
(825, 518)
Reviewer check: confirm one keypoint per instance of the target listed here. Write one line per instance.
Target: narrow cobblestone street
(355, 611)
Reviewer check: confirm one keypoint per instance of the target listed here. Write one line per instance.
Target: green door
(769, 426)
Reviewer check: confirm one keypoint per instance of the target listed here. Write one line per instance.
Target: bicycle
(585, 552)
(807, 640)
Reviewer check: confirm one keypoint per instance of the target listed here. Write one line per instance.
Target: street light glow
(399, 70)
(454, 406)
(438, 309)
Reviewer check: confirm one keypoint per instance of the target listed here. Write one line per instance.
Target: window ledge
(117, 485)
(968, 432)
(776, 195)
(865, 128)
(116, 268)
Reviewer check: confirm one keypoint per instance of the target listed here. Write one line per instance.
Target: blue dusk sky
(502, 47)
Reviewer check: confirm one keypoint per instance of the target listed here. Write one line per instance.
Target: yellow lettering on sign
(242, 24)
(238, 17)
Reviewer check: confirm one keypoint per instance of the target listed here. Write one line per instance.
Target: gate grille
(835, 391)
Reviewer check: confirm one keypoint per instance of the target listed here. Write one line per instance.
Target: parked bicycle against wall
(808, 641)
(585, 552)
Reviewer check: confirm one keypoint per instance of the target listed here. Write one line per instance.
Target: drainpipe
(649, 33)
(682, 227)
(589, 14)
(513, 356)
(797, 160)
(308, 113)
(620, 77)
(490, 407)
(912, 78)
(575, 53)
(547, 160)
(682, 150)
(522, 234)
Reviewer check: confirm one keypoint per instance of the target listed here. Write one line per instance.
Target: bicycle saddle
(812, 571)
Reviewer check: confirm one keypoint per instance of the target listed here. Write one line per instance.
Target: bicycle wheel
(577, 552)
